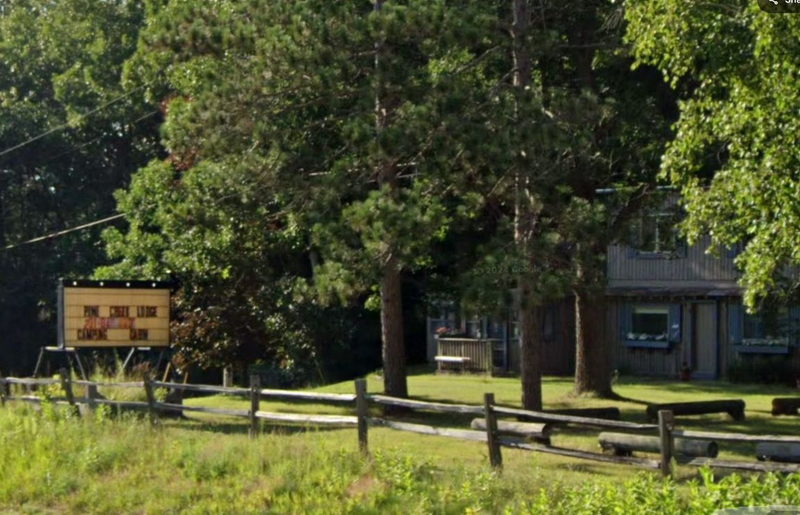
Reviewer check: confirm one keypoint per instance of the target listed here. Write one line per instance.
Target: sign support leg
(80, 366)
(38, 362)
(128, 359)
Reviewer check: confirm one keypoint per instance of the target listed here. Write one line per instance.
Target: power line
(65, 231)
(98, 138)
(66, 125)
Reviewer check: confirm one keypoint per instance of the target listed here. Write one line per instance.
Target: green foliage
(649, 494)
(60, 68)
(272, 203)
(763, 370)
(733, 155)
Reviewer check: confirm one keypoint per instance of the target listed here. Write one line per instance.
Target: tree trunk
(392, 338)
(394, 351)
(530, 325)
(592, 355)
(530, 313)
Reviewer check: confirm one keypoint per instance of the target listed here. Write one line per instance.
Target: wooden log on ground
(785, 405)
(780, 452)
(623, 444)
(733, 407)
(536, 432)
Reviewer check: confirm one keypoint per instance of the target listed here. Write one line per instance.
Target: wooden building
(671, 307)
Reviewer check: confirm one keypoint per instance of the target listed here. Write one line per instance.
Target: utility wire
(93, 140)
(66, 125)
(65, 231)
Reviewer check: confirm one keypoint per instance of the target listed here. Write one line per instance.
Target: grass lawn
(636, 392)
(53, 462)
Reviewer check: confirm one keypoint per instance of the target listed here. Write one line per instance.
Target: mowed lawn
(53, 462)
(635, 394)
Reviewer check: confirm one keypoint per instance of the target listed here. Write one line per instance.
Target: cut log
(785, 405)
(780, 452)
(530, 431)
(623, 444)
(733, 407)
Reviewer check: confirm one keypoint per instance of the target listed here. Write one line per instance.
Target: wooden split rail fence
(688, 447)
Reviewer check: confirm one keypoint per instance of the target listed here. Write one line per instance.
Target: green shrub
(763, 369)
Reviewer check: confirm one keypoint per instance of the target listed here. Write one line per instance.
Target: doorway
(705, 341)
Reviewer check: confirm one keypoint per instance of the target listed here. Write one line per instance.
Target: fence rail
(361, 402)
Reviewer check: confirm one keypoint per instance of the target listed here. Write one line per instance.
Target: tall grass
(54, 461)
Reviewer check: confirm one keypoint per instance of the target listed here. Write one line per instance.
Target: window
(651, 325)
(656, 234)
(771, 327)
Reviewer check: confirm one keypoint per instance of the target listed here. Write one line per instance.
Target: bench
(733, 407)
(785, 405)
(462, 361)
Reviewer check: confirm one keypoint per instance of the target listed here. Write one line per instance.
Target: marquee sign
(113, 313)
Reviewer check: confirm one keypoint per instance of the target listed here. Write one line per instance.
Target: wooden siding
(558, 351)
(696, 269)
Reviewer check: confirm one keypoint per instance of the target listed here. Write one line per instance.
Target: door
(704, 340)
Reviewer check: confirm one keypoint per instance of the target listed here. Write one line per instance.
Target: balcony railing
(482, 353)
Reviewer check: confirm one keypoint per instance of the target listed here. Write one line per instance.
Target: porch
(477, 355)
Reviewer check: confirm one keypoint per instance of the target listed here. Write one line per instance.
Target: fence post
(3, 391)
(91, 395)
(362, 413)
(255, 400)
(666, 424)
(66, 385)
(495, 456)
(151, 400)
(227, 377)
